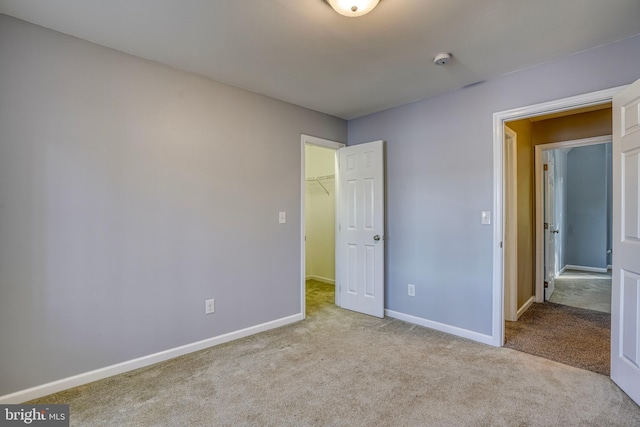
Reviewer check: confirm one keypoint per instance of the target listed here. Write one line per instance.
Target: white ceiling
(302, 52)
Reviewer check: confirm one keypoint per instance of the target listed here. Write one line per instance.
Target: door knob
(376, 237)
(556, 231)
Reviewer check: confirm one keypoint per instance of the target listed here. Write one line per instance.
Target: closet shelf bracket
(323, 187)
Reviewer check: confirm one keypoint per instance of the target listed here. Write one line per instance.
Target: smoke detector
(442, 58)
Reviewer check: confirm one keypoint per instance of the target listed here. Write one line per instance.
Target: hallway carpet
(584, 290)
(570, 335)
(340, 368)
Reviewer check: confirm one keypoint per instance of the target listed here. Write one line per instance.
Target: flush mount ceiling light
(353, 8)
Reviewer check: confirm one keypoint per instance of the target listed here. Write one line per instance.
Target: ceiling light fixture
(353, 8)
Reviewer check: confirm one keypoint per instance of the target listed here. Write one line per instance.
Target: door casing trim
(499, 119)
(511, 217)
(320, 142)
(539, 205)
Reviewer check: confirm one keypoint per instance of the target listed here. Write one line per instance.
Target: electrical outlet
(209, 306)
(411, 289)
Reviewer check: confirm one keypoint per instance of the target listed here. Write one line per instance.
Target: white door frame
(539, 206)
(320, 142)
(499, 119)
(511, 221)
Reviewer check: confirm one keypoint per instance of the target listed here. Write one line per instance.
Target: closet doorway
(319, 221)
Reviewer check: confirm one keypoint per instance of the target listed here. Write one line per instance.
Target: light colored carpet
(340, 368)
(584, 290)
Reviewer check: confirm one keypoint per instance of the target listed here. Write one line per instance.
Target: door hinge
(546, 225)
(546, 167)
(546, 284)
(500, 245)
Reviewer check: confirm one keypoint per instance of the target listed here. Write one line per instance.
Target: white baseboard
(525, 307)
(453, 330)
(583, 268)
(562, 270)
(108, 371)
(320, 279)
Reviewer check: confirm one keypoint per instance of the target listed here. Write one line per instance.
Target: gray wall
(587, 206)
(440, 178)
(130, 192)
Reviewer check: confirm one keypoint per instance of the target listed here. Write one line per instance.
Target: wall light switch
(282, 218)
(486, 217)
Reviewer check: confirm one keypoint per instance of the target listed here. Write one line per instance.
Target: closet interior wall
(320, 214)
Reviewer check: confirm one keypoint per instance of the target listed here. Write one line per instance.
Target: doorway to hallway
(551, 226)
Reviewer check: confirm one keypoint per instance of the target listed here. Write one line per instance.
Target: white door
(625, 292)
(360, 246)
(550, 230)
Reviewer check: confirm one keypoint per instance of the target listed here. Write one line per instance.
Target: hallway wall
(526, 214)
(587, 185)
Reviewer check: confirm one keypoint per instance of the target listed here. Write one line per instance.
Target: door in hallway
(550, 227)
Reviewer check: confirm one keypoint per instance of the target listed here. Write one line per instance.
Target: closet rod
(321, 178)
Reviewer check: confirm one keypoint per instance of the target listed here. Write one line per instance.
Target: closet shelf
(321, 178)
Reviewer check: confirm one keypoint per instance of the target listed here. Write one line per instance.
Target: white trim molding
(140, 362)
(510, 245)
(538, 171)
(585, 268)
(453, 330)
(525, 307)
(321, 279)
(499, 119)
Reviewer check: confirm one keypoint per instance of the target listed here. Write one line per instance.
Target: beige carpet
(570, 335)
(584, 290)
(340, 368)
